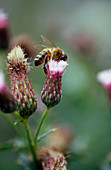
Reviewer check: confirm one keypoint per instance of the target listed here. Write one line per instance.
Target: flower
(4, 30)
(8, 102)
(51, 92)
(104, 77)
(21, 87)
(51, 158)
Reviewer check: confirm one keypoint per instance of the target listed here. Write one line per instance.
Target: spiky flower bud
(50, 158)
(19, 68)
(8, 102)
(4, 30)
(51, 92)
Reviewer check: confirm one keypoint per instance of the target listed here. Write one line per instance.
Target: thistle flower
(8, 103)
(104, 77)
(4, 30)
(51, 158)
(19, 68)
(26, 43)
(51, 92)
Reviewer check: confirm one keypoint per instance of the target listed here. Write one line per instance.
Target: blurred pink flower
(4, 30)
(104, 77)
(8, 103)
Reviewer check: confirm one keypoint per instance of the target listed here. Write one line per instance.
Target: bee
(47, 54)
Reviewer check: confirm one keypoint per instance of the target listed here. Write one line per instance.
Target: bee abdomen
(40, 58)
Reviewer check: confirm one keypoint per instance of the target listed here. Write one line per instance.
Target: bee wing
(48, 41)
(40, 47)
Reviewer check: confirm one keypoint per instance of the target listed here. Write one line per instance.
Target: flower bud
(21, 87)
(50, 158)
(4, 30)
(8, 103)
(51, 92)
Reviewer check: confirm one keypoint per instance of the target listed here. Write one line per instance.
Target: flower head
(4, 30)
(21, 87)
(16, 62)
(56, 68)
(51, 92)
(8, 102)
(104, 77)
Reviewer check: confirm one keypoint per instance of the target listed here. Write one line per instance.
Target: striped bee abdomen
(40, 58)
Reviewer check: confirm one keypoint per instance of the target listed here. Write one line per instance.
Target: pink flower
(4, 30)
(51, 92)
(104, 77)
(8, 103)
(3, 19)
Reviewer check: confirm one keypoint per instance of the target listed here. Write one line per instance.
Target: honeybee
(49, 53)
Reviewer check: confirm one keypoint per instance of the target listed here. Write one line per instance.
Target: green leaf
(45, 134)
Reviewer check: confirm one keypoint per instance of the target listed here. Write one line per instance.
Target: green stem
(40, 125)
(31, 144)
(26, 127)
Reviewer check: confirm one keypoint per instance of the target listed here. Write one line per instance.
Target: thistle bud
(8, 103)
(51, 92)
(104, 77)
(50, 158)
(21, 87)
(4, 30)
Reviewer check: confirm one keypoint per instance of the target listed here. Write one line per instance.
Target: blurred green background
(82, 28)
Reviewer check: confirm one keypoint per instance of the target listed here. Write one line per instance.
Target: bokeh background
(82, 28)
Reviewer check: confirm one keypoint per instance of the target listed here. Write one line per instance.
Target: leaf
(45, 134)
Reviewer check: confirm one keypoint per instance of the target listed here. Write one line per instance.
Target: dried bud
(8, 103)
(26, 43)
(21, 87)
(50, 158)
(51, 92)
(104, 77)
(4, 30)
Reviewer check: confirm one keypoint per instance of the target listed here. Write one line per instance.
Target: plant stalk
(27, 130)
(40, 125)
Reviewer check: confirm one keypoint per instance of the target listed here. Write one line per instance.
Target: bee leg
(45, 68)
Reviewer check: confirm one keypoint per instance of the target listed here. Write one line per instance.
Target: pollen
(16, 61)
